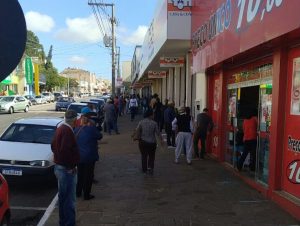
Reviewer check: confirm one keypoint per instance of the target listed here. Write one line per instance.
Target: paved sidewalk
(204, 193)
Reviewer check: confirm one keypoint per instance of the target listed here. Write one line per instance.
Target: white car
(10, 104)
(25, 147)
(40, 99)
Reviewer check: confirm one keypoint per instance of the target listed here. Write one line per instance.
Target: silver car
(11, 104)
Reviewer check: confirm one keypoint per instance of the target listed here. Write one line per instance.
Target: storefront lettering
(246, 10)
(293, 172)
(293, 144)
(252, 10)
(218, 22)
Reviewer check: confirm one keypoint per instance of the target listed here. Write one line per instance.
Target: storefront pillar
(278, 122)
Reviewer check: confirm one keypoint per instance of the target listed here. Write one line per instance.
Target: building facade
(248, 57)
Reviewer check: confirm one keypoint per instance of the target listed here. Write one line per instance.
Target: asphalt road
(29, 197)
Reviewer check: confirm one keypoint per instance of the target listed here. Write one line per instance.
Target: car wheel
(11, 110)
(26, 109)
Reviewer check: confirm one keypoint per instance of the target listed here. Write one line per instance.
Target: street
(30, 197)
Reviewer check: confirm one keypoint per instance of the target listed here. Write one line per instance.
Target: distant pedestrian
(157, 110)
(148, 131)
(66, 158)
(184, 135)
(204, 125)
(133, 106)
(110, 116)
(169, 115)
(87, 136)
(250, 140)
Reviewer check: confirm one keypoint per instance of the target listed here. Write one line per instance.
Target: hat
(86, 111)
(181, 110)
(70, 114)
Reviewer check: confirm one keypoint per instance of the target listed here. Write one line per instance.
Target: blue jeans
(67, 180)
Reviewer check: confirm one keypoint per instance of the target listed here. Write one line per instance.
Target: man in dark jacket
(204, 125)
(66, 158)
(87, 136)
(169, 115)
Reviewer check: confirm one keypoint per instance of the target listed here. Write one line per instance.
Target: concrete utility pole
(113, 45)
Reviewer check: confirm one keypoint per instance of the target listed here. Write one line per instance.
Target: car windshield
(28, 133)
(38, 96)
(46, 94)
(64, 99)
(7, 99)
(76, 108)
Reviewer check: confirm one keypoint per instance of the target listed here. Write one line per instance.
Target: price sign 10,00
(253, 8)
(293, 172)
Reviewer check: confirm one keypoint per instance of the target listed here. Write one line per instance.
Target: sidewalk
(204, 193)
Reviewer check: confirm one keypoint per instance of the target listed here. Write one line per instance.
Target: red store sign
(224, 28)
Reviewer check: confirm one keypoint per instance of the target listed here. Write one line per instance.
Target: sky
(71, 27)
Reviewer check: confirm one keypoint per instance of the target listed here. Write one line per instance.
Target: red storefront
(250, 53)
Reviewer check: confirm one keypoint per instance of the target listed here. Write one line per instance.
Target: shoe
(150, 171)
(176, 162)
(95, 181)
(89, 197)
(78, 195)
(189, 163)
(117, 133)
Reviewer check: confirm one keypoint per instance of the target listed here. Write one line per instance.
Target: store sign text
(222, 19)
(293, 144)
(293, 172)
(216, 24)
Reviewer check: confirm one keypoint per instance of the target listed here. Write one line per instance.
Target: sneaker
(189, 163)
(176, 162)
(89, 197)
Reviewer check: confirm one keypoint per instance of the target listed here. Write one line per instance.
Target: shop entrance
(242, 101)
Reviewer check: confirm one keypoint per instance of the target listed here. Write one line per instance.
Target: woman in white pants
(184, 135)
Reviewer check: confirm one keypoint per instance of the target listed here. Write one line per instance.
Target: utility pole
(113, 44)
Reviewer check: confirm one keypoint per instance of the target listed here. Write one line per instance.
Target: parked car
(40, 99)
(32, 100)
(101, 103)
(48, 96)
(57, 95)
(4, 201)
(99, 113)
(25, 147)
(63, 103)
(77, 107)
(10, 104)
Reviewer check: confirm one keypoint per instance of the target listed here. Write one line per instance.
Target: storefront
(251, 59)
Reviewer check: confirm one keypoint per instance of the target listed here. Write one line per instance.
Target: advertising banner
(291, 153)
(171, 61)
(28, 71)
(225, 28)
(295, 92)
(157, 74)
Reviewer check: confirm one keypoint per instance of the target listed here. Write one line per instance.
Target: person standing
(148, 131)
(66, 158)
(169, 115)
(184, 135)
(204, 125)
(110, 116)
(87, 136)
(250, 140)
(133, 106)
